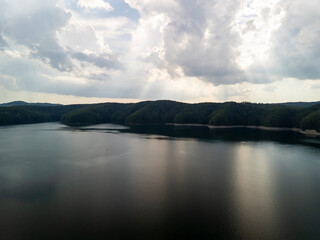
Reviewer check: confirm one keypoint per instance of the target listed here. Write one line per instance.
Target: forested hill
(229, 113)
(22, 103)
(162, 112)
(26, 114)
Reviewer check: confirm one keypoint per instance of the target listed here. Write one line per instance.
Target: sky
(86, 51)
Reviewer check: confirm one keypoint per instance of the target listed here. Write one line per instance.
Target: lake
(157, 182)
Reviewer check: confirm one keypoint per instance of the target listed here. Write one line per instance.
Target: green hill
(164, 111)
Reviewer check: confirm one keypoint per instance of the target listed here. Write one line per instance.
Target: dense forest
(26, 114)
(162, 112)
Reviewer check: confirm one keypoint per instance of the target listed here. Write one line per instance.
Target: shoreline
(308, 132)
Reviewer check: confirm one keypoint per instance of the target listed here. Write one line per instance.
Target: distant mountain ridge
(22, 103)
(300, 104)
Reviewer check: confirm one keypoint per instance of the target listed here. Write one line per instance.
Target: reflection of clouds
(30, 192)
(28, 169)
(87, 161)
(24, 183)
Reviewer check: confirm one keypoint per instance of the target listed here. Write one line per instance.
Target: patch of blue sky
(121, 8)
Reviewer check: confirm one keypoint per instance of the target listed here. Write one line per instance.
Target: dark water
(153, 182)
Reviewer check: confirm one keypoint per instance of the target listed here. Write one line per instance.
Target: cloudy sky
(77, 51)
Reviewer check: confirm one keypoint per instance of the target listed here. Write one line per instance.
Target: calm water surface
(157, 182)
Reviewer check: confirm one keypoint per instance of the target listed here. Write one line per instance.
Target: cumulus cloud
(296, 44)
(8, 81)
(3, 43)
(94, 4)
(196, 36)
(282, 41)
(102, 60)
(176, 49)
(42, 31)
(34, 24)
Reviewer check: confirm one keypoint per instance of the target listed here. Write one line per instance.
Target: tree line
(163, 111)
